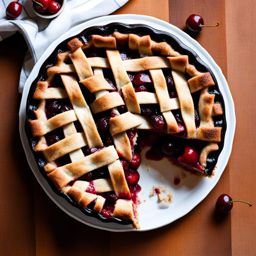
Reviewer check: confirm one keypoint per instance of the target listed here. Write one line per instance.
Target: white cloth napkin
(39, 33)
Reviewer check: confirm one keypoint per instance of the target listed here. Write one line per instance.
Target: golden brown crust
(107, 42)
(209, 134)
(161, 89)
(200, 81)
(124, 209)
(217, 109)
(186, 103)
(61, 176)
(96, 83)
(118, 179)
(74, 44)
(179, 63)
(82, 111)
(206, 151)
(107, 101)
(123, 123)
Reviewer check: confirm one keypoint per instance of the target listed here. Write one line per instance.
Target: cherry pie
(105, 94)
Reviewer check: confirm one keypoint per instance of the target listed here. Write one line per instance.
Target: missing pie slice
(105, 94)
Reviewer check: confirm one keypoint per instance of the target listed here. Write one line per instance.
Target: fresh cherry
(54, 7)
(41, 6)
(158, 122)
(190, 156)
(136, 161)
(195, 23)
(13, 10)
(224, 204)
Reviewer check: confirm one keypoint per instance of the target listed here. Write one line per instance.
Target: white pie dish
(186, 197)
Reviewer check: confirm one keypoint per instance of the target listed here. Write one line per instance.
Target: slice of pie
(102, 96)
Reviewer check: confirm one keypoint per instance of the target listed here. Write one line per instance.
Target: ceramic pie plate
(191, 190)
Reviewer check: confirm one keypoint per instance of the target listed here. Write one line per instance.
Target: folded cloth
(39, 33)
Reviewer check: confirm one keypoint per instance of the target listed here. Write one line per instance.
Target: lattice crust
(89, 71)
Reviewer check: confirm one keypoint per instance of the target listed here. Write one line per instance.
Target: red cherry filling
(91, 188)
(141, 88)
(141, 79)
(189, 157)
(168, 148)
(136, 161)
(132, 177)
(158, 122)
(103, 125)
(108, 210)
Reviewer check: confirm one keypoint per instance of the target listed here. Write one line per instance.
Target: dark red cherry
(133, 178)
(13, 10)
(141, 88)
(158, 122)
(54, 7)
(190, 156)
(111, 197)
(136, 161)
(141, 78)
(41, 6)
(168, 148)
(103, 124)
(224, 203)
(90, 151)
(194, 23)
(125, 166)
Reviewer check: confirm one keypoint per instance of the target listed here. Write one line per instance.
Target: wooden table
(32, 225)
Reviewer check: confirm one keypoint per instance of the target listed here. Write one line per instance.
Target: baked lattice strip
(42, 126)
(186, 103)
(61, 176)
(161, 89)
(118, 178)
(82, 111)
(123, 81)
(43, 92)
(123, 123)
(65, 146)
(82, 66)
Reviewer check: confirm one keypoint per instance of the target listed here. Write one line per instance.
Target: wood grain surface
(32, 225)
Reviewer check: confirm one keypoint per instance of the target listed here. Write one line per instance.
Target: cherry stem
(210, 26)
(240, 201)
(40, 4)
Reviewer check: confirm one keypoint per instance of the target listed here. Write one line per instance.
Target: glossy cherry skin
(224, 204)
(41, 6)
(189, 157)
(133, 178)
(13, 10)
(194, 23)
(54, 7)
(158, 122)
(136, 161)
